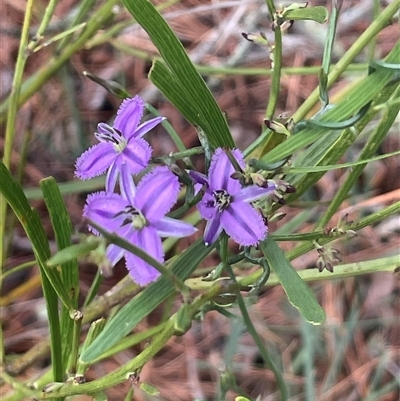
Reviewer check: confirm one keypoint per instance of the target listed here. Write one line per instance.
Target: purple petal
(198, 178)
(95, 161)
(243, 224)
(253, 192)
(127, 185)
(148, 240)
(104, 209)
(136, 155)
(147, 126)
(167, 227)
(207, 207)
(156, 193)
(213, 229)
(114, 254)
(221, 170)
(128, 116)
(111, 178)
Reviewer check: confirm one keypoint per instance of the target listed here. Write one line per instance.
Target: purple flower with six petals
(121, 145)
(225, 204)
(139, 217)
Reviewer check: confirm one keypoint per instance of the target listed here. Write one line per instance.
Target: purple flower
(138, 215)
(121, 145)
(225, 204)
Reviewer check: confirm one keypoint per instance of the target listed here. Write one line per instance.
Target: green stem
(36, 81)
(221, 71)
(367, 221)
(365, 38)
(120, 375)
(276, 75)
(9, 138)
(48, 14)
(73, 360)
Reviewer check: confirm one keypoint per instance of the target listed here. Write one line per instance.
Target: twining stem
(249, 324)
(340, 271)
(259, 342)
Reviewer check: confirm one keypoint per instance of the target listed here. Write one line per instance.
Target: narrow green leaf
(51, 281)
(111, 86)
(328, 150)
(62, 227)
(145, 302)
(362, 162)
(166, 82)
(318, 14)
(298, 293)
(212, 120)
(374, 141)
(367, 90)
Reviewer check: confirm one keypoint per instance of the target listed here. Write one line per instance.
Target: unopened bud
(277, 127)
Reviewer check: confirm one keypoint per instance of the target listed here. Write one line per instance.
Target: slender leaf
(145, 302)
(166, 82)
(367, 90)
(298, 293)
(51, 281)
(212, 121)
(318, 14)
(62, 227)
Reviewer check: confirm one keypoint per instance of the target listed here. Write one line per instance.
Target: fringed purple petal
(253, 192)
(104, 209)
(136, 155)
(243, 224)
(147, 126)
(220, 172)
(167, 227)
(128, 116)
(156, 193)
(213, 229)
(95, 161)
(148, 240)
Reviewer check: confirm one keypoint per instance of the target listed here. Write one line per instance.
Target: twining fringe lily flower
(121, 145)
(225, 204)
(138, 216)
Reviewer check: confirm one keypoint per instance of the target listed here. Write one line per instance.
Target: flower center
(109, 134)
(222, 199)
(133, 217)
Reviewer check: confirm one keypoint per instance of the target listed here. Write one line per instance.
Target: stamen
(222, 199)
(110, 134)
(133, 217)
